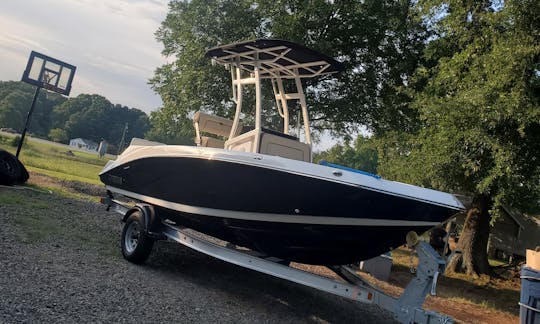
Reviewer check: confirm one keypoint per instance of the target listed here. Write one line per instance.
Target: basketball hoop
(48, 73)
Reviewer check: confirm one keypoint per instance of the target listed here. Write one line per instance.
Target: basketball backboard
(49, 73)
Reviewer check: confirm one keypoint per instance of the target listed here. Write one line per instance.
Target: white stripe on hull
(267, 217)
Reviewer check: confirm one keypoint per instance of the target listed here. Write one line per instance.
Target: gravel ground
(60, 263)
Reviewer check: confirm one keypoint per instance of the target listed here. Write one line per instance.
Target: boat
(257, 188)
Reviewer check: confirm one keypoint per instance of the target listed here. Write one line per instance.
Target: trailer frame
(406, 309)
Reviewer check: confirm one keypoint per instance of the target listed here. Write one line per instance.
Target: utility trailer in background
(142, 227)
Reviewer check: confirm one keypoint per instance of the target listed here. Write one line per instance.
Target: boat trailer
(406, 309)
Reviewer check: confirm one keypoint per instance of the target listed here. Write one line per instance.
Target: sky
(111, 42)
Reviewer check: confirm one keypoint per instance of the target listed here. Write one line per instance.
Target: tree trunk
(473, 241)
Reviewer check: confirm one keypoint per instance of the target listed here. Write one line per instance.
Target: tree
(191, 83)
(170, 131)
(378, 42)
(137, 121)
(94, 117)
(59, 118)
(480, 116)
(15, 101)
(59, 135)
(14, 109)
(361, 156)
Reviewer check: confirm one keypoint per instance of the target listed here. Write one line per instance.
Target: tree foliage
(60, 119)
(362, 155)
(15, 101)
(190, 83)
(379, 43)
(170, 131)
(94, 117)
(59, 135)
(479, 110)
(458, 60)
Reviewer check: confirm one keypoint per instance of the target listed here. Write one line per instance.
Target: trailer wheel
(136, 245)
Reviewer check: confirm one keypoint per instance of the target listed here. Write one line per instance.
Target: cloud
(111, 42)
(11, 42)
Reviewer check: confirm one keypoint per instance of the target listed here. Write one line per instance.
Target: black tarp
(12, 171)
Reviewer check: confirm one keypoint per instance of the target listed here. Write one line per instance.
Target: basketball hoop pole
(45, 72)
(28, 117)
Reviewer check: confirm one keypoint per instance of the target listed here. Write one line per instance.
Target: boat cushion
(214, 124)
(249, 128)
(212, 142)
(285, 147)
(245, 142)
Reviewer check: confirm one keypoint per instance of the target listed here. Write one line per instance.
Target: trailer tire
(136, 244)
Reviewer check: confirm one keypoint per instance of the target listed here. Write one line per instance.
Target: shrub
(15, 141)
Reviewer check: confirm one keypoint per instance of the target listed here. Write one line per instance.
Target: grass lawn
(500, 292)
(56, 220)
(54, 161)
(480, 300)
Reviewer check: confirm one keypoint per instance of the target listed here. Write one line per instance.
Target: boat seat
(270, 143)
(284, 146)
(249, 128)
(215, 125)
(212, 142)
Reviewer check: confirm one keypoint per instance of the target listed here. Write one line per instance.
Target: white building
(84, 144)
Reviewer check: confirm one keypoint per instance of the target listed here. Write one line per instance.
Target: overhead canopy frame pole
(284, 105)
(278, 102)
(303, 104)
(238, 93)
(258, 99)
(233, 77)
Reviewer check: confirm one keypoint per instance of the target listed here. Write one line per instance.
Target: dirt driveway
(60, 262)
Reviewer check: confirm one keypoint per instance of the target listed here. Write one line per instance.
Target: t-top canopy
(277, 58)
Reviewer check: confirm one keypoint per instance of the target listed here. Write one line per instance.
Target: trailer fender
(151, 220)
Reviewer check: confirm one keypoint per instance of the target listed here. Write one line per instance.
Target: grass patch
(67, 174)
(47, 218)
(483, 303)
(48, 189)
(34, 224)
(70, 173)
(66, 192)
(55, 161)
(35, 227)
(484, 292)
(61, 218)
(15, 198)
(497, 263)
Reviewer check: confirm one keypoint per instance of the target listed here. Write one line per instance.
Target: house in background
(84, 144)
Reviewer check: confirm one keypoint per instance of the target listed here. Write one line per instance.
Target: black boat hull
(304, 243)
(291, 216)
